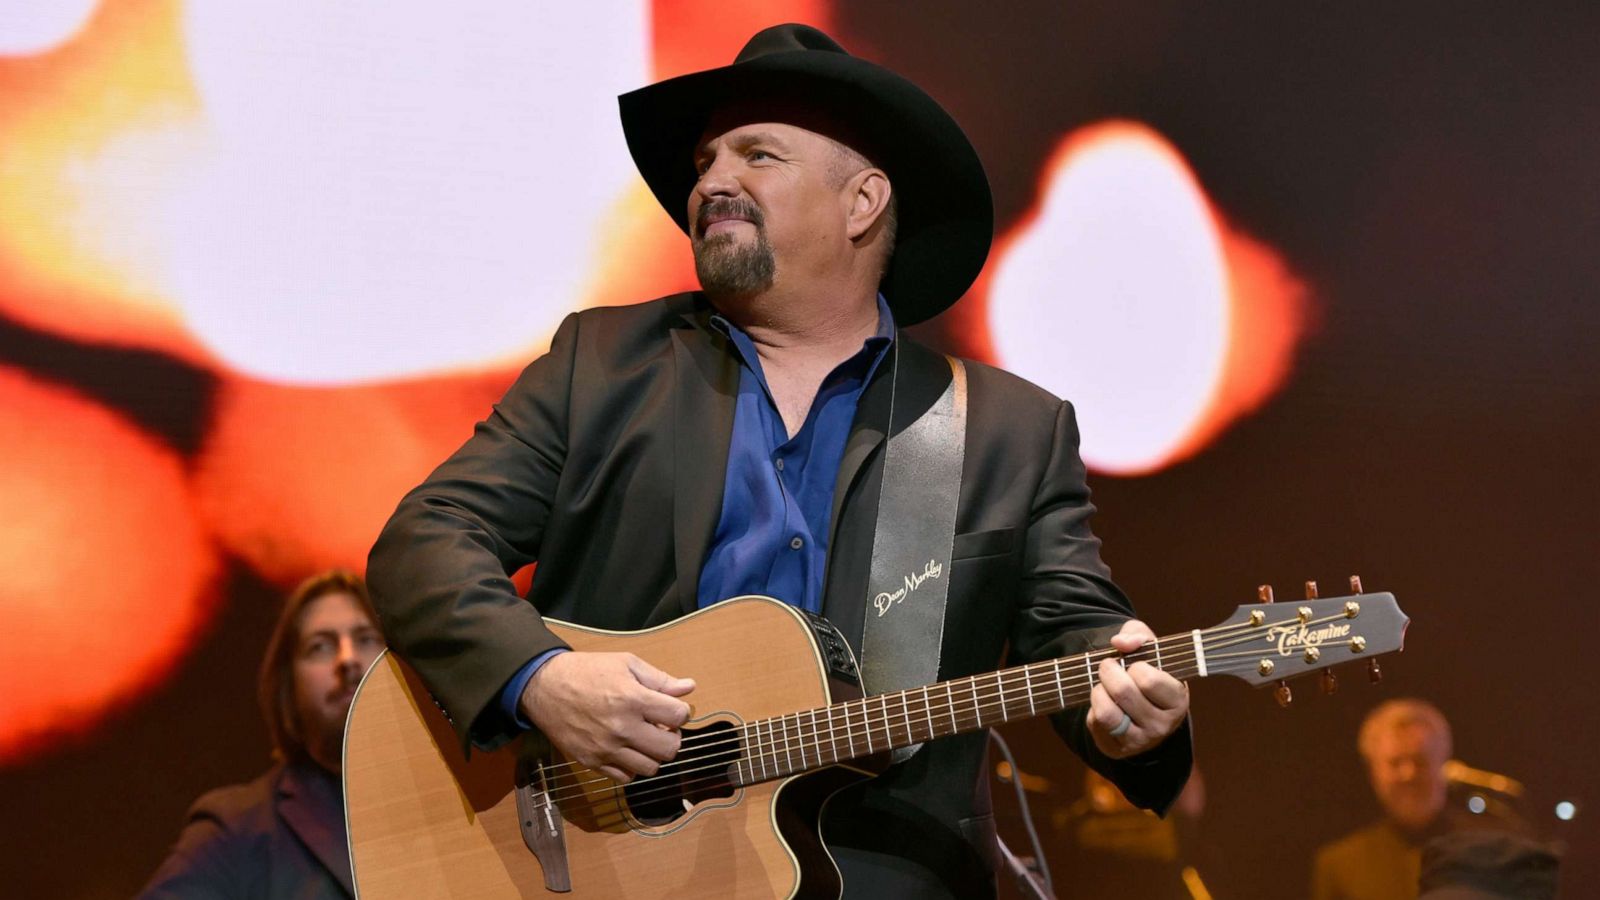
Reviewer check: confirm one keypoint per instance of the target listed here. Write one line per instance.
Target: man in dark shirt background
(1405, 744)
(282, 835)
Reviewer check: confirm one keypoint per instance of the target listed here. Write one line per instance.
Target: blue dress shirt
(777, 494)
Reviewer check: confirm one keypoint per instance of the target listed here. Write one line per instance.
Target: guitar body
(426, 822)
(777, 727)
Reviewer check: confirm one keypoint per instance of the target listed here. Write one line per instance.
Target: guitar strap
(912, 545)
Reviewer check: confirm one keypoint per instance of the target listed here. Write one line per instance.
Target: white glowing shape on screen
(34, 26)
(398, 187)
(1116, 297)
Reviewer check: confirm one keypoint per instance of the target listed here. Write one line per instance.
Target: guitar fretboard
(1261, 643)
(813, 738)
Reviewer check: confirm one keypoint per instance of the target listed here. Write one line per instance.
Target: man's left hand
(1154, 702)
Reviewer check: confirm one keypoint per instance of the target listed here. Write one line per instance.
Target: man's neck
(816, 329)
(327, 756)
(801, 339)
(1436, 826)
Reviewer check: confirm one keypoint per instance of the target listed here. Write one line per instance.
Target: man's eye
(371, 639)
(317, 648)
(760, 154)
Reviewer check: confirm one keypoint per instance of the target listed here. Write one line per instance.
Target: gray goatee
(725, 266)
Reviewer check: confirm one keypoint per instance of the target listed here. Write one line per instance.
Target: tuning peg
(1285, 696)
(1264, 593)
(1330, 682)
(1374, 671)
(1311, 590)
(1355, 584)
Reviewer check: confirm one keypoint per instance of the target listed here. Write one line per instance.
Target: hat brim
(945, 210)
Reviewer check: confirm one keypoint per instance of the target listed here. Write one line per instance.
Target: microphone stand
(1029, 873)
(1023, 873)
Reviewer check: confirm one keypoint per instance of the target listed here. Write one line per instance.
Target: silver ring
(1123, 726)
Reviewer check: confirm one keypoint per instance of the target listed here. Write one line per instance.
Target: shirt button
(779, 464)
(796, 543)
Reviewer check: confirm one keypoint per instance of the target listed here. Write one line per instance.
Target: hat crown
(787, 38)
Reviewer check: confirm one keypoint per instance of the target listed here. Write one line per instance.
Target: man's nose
(719, 179)
(347, 652)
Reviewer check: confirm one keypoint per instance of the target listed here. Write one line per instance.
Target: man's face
(337, 644)
(1407, 770)
(768, 201)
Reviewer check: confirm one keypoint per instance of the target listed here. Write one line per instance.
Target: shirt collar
(878, 343)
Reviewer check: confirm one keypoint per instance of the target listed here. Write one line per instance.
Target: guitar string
(617, 799)
(978, 713)
(767, 746)
(613, 805)
(902, 702)
(753, 740)
(1007, 702)
(780, 767)
(836, 739)
(854, 714)
(761, 742)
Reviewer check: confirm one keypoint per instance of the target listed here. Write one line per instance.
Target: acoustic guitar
(779, 724)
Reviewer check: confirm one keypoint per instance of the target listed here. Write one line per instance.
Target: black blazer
(605, 463)
(280, 837)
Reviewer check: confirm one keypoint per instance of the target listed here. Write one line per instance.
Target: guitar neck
(1261, 643)
(813, 738)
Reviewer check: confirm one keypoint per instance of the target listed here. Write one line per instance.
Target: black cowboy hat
(946, 214)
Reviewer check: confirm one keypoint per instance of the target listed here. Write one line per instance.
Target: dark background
(1430, 170)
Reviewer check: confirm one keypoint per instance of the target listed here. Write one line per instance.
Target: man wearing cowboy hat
(732, 441)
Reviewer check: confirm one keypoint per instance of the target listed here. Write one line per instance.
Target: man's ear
(869, 200)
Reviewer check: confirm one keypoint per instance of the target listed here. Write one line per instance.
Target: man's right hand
(612, 712)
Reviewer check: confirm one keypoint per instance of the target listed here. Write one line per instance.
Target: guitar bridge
(542, 827)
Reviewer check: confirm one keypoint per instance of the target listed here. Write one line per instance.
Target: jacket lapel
(311, 807)
(705, 386)
(866, 435)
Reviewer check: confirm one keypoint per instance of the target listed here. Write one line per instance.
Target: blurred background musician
(282, 835)
(1406, 744)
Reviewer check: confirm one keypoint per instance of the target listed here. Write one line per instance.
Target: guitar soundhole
(700, 772)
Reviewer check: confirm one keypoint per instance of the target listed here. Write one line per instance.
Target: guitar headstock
(1269, 643)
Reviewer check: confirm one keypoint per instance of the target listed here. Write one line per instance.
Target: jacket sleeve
(1070, 605)
(203, 863)
(440, 570)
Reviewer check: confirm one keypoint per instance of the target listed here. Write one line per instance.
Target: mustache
(730, 208)
(349, 680)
